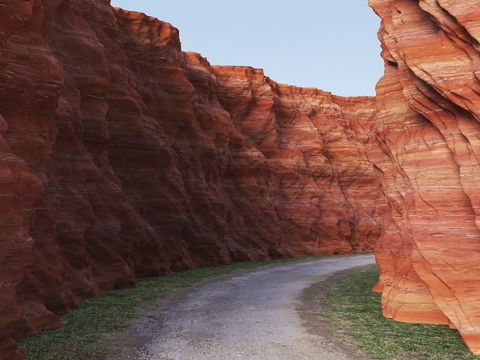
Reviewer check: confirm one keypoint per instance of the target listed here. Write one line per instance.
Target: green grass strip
(354, 313)
(85, 332)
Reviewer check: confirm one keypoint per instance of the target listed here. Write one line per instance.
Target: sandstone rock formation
(121, 157)
(427, 149)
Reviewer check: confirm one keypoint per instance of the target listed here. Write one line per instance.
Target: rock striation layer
(122, 157)
(427, 151)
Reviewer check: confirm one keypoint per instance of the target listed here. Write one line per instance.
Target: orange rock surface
(122, 157)
(316, 143)
(428, 149)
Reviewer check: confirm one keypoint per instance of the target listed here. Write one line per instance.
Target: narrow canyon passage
(249, 316)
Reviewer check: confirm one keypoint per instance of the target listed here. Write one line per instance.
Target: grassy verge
(354, 313)
(85, 331)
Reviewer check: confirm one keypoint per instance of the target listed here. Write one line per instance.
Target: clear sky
(327, 44)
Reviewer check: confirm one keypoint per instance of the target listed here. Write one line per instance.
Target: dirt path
(249, 316)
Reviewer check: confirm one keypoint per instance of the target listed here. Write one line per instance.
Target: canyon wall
(427, 151)
(122, 157)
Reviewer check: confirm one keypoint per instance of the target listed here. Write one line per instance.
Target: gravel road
(250, 316)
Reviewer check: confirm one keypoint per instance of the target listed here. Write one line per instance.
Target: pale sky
(328, 44)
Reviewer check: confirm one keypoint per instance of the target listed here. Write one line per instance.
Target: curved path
(250, 316)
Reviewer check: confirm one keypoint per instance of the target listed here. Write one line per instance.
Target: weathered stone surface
(121, 157)
(316, 142)
(428, 147)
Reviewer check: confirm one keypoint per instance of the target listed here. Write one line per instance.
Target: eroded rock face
(427, 150)
(121, 157)
(316, 143)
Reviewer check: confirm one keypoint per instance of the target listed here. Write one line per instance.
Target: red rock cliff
(427, 149)
(122, 156)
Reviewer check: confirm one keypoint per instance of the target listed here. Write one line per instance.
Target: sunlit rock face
(121, 157)
(316, 143)
(427, 149)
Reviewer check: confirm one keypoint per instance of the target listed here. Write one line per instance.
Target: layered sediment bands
(122, 156)
(428, 147)
(316, 143)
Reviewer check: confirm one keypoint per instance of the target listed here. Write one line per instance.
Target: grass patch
(85, 332)
(354, 313)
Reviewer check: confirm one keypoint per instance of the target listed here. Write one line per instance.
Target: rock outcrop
(427, 149)
(122, 157)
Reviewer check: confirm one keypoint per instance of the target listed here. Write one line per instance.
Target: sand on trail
(253, 315)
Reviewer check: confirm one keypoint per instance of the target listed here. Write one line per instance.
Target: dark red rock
(122, 156)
